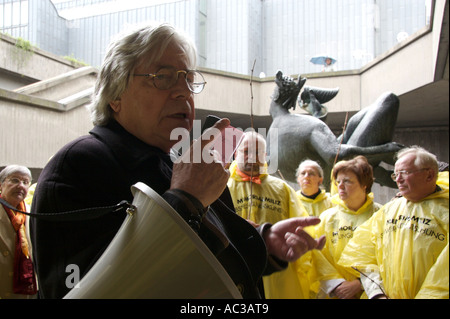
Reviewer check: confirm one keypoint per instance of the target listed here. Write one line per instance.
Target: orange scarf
(246, 178)
(24, 280)
(18, 222)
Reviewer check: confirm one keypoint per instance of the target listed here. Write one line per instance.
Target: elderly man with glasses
(145, 90)
(402, 251)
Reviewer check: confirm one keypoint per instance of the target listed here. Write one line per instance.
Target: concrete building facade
(43, 96)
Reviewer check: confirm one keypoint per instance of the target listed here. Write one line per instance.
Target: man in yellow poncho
(402, 251)
(262, 198)
(309, 177)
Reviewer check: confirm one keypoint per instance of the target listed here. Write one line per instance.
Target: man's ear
(116, 105)
(431, 175)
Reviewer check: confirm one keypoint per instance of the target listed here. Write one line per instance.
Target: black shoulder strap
(75, 215)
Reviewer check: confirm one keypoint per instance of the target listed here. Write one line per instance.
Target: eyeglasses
(405, 173)
(167, 77)
(17, 181)
(345, 181)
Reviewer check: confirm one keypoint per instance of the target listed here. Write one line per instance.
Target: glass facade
(230, 34)
(14, 17)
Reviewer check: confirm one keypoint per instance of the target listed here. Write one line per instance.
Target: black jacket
(98, 170)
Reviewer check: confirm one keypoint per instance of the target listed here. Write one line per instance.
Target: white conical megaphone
(155, 254)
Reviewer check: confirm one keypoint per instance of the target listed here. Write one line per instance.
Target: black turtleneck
(313, 196)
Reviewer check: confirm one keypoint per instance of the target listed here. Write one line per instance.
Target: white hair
(424, 159)
(310, 163)
(13, 169)
(138, 46)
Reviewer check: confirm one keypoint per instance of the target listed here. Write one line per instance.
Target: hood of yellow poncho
(339, 202)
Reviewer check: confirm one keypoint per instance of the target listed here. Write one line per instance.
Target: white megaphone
(155, 254)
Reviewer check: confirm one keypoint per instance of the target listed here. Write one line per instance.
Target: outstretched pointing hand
(288, 241)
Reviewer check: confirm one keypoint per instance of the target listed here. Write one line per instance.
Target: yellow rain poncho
(404, 248)
(338, 225)
(29, 198)
(272, 201)
(314, 207)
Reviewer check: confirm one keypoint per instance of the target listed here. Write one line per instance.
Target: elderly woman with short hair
(310, 177)
(354, 205)
(17, 279)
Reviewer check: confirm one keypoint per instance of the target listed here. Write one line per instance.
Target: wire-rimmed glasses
(405, 173)
(17, 181)
(167, 77)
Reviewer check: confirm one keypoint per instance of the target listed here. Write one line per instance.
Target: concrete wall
(32, 129)
(408, 65)
(30, 135)
(35, 64)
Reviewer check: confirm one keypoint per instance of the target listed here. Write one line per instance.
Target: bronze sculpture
(369, 133)
(312, 100)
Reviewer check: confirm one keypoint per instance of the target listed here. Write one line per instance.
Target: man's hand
(199, 171)
(348, 289)
(288, 241)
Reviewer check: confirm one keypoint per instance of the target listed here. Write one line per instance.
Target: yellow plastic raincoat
(314, 207)
(338, 225)
(404, 248)
(29, 198)
(273, 200)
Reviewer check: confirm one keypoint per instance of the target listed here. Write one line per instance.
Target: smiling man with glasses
(403, 249)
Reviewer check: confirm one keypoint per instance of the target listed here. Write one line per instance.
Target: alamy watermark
(224, 143)
(73, 277)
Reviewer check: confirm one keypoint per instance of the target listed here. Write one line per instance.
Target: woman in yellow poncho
(310, 176)
(262, 198)
(403, 249)
(354, 205)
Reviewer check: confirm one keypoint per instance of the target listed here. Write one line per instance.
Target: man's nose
(181, 86)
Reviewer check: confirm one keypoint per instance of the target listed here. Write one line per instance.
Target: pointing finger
(321, 242)
(307, 221)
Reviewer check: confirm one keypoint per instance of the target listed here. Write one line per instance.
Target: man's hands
(287, 240)
(348, 289)
(200, 172)
(205, 178)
